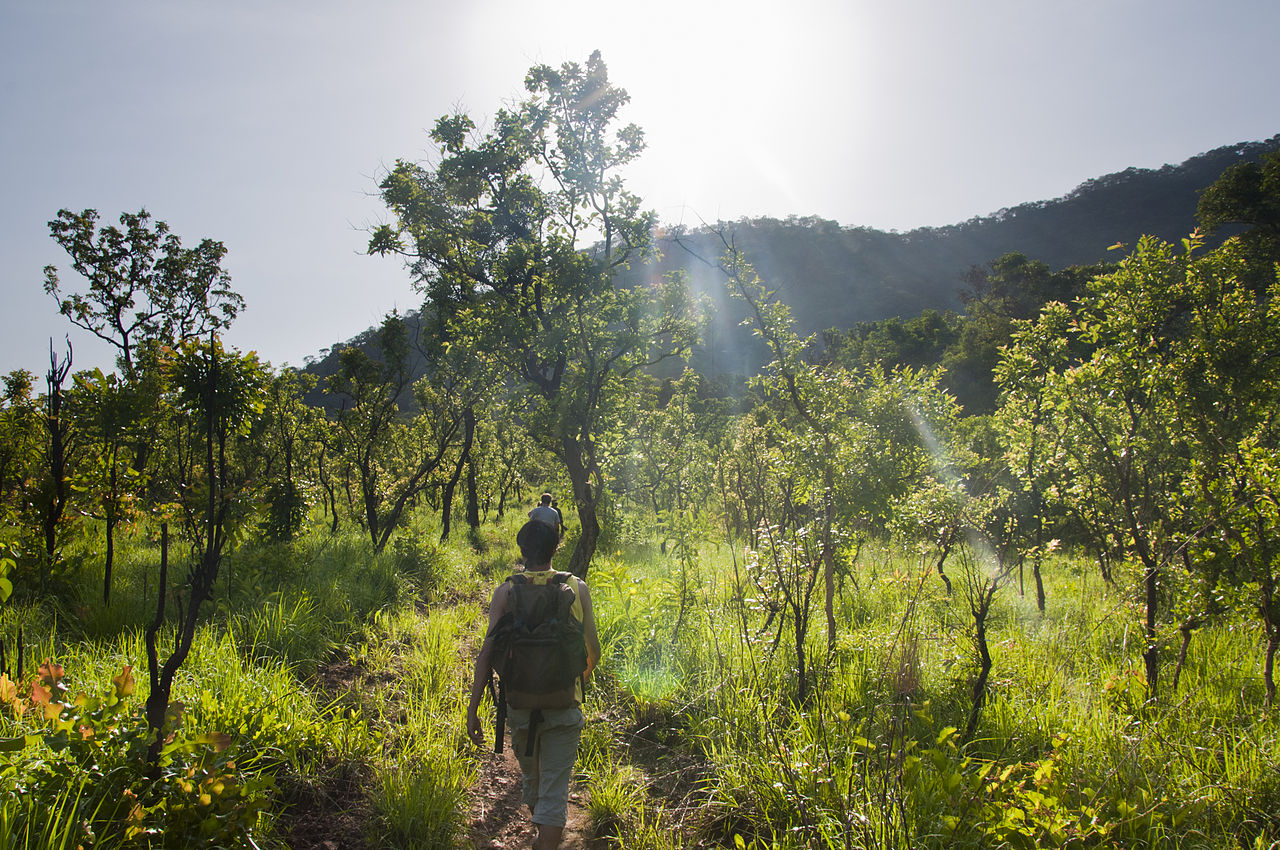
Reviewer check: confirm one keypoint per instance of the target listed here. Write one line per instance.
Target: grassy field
(337, 682)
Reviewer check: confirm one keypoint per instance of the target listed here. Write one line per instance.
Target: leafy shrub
(195, 795)
(420, 559)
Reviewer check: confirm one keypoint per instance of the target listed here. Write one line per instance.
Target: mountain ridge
(835, 276)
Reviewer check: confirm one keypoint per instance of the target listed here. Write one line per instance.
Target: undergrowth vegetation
(329, 673)
(1068, 752)
(261, 722)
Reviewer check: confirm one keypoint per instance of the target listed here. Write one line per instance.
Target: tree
(497, 233)
(1121, 446)
(107, 411)
(60, 444)
(850, 441)
(19, 429)
(143, 285)
(220, 392)
(288, 434)
(1141, 429)
(1227, 392)
(1247, 195)
(396, 459)
(1038, 352)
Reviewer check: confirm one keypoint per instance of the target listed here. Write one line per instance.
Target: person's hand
(474, 731)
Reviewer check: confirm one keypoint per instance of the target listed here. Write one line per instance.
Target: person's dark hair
(545, 500)
(537, 541)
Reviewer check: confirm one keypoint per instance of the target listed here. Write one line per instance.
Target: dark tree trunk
(1187, 629)
(55, 505)
(980, 612)
(948, 541)
(1035, 573)
(473, 498)
(1151, 655)
(587, 499)
(464, 459)
(331, 494)
(446, 504)
(1269, 608)
(369, 497)
(109, 558)
(157, 700)
(473, 495)
(110, 519)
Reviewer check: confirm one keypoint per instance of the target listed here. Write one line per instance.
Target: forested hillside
(835, 276)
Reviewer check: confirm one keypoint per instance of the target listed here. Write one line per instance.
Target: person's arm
(484, 666)
(589, 630)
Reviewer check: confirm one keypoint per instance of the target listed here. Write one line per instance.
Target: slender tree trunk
(587, 499)
(1104, 564)
(828, 556)
(331, 493)
(473, 494)
(109, 557)
(56, 503)
(110, 519)
(1187, 629)
(464, 461)
(1151, 655)
(980, 612)
(1038, 555)
(1035, 573)
(949, 540)
(1268, 608)
(446, 501)
(446, 504)
(157, 701)
(473, 497)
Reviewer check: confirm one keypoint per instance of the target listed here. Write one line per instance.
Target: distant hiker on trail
(560, 526)
(543, 645)
(546, 511)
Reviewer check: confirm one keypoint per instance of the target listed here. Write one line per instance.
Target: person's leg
(530, 778)
(518, 722)
(549, 837)
(557, 747)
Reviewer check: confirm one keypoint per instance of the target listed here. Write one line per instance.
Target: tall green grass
(427, 765)
(281, 612)
(1068, 751)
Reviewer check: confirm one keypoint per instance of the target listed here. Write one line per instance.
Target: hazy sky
(266, 123)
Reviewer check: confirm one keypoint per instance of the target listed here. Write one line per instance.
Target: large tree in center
(515, 235)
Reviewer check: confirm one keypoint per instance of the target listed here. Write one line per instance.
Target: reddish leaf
(125, 683)
(51, 673)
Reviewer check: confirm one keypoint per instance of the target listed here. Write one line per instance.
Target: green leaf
(13, 745)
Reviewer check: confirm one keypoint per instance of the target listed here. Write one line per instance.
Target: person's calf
(549, 837)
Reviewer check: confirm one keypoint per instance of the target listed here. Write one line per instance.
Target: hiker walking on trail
(543, 645)
(546, 511)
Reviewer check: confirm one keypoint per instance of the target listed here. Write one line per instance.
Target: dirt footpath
(499, 821)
